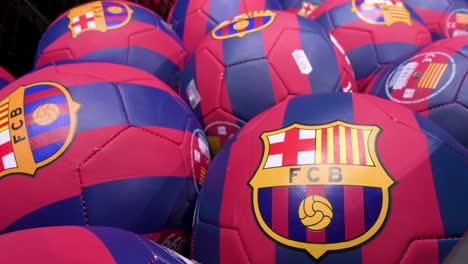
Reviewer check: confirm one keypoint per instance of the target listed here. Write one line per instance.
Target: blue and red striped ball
(250, 63)
(5, 77)
(193, 19)
(444, 18)
(334, 178)
(83, 245)
(99, 144)
(373, 33)
(434, 83)
(115, 31)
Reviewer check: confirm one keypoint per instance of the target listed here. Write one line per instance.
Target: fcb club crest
(306, 9)
(244, 24)
(99, 16)
(420, 78)
(321, 188)
(457, 23)
(37, 125)
(200, 156)
(381, 12)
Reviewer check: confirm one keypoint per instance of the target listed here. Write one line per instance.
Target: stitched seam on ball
(78, 169)
(122, 102)
(155, 258)
(156, 134)
(245, 61)
(427, 238)
(454, 100)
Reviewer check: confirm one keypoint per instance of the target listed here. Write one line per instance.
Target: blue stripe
(303, 109)
(58, 99)
(146, 205)
(429, 5)
(151, 61)
(326, 77)
(297, 231)
(219, 11)
(64, 212)
(113, 23)
(145, 106)
(35, 129)
(178, 17)
(449, 166)
(265, 204)
(206, 227)
(3, 83)
(446, 246)
(372, 205)
(244, 66)
(47, 151)
(392, 52)
(124, 246)
(335, 232)
(38, 88)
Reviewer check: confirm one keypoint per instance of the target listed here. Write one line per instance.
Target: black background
(22, 23)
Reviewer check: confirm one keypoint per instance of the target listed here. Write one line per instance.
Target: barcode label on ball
(192, 94)
(302, 61)
(402, 76)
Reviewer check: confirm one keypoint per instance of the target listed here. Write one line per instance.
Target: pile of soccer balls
(239, 131)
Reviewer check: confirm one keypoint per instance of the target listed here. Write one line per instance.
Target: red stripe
(349, 146)
(324, 147)
(225, 30)
(336, 144)
(361, 147)
(52, 91)
(316, 236)
(238, 218)
(4, 103)
(279, 209)
(195, 16)
(279, 53)
(5, 148)
(258, 22)
(48, 138)
(63, 111)
(354, 211)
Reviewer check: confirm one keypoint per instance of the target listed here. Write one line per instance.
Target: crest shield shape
(299, 188)
(37, 124)
(98, 16)
(381, 12)
(244, 24)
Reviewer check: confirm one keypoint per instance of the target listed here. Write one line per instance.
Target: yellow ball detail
(366, 6)
(115, 10)
(315, 212)
(242, 24)
(46, 114)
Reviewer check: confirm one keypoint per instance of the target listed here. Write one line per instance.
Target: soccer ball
(193, 19)
(444, 18)
(73, 244)
(333, 178)
(99, 144)
(373, 33)
(254, 61)
(303, 8)
(115, 31)
(5, 77)
(432, 82)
